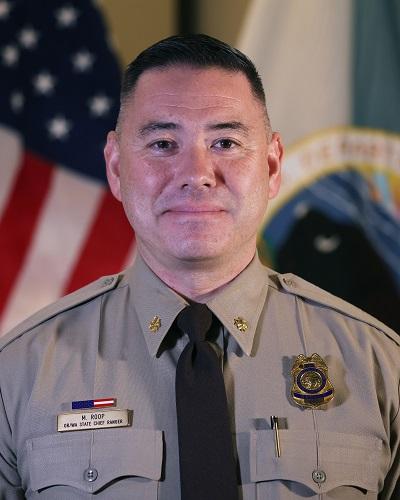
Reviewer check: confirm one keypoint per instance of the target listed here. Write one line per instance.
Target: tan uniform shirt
(96, 343)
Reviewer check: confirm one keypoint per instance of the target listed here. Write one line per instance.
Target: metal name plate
(93, 420)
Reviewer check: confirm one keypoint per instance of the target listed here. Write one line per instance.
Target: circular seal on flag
(339, 209)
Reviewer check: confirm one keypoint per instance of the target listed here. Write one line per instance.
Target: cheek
(253, 191)
(141, 185)
(132, 185)
(137, 176)
(248, 179)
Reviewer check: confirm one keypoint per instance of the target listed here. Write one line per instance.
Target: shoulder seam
(295, 285)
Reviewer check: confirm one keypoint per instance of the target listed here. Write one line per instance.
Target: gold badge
(241, 324)
(311, 386)
(155, 324)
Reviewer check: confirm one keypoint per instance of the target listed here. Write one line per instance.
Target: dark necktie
(207, 465)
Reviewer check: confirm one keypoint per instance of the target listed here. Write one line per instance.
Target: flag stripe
(104, 402)
(321, 42)
(110, 225)
(68, 214)
(20, 218)
(376, 99)
(11, 151)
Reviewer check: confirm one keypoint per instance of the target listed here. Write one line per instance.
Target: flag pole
(188, 16)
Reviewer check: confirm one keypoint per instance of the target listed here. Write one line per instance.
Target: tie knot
(195, 320)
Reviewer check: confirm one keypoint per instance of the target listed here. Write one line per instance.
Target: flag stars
(59, 127)
(17, 101)
(67, 16)
(82, 61)
(28, 38)
(10, 55)
(4, 9)
(99, 105)
(44, 83)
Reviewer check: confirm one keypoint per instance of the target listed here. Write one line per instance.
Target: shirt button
(90, 475)
(288, 281)
(319, 476)
(108, 281)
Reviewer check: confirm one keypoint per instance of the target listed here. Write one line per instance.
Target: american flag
(59, 84)
(94, 403)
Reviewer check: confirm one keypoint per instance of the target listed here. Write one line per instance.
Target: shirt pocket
(312, 465)
(97, 460)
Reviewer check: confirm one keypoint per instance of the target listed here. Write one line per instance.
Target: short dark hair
(194, 50)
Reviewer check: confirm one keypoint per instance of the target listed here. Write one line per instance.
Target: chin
(198, 252)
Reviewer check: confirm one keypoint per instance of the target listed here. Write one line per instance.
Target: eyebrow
(154, 126)
(234, 125)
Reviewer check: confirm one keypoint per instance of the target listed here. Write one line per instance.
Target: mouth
(206, 216)
(194, 209)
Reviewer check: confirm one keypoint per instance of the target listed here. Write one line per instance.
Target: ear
(112, 157)
(275, 156)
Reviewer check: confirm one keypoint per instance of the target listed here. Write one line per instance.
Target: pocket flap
(342, 460)
(63, 459)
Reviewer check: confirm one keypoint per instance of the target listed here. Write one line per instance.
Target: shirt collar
(155, 303)
(238, 305)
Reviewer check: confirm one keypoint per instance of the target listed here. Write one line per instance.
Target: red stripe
(20, 217)
(107, 245)
(104, 402)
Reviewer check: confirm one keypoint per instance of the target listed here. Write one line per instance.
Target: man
(194, 162)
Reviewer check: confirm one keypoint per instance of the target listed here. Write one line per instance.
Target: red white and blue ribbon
(94, 403)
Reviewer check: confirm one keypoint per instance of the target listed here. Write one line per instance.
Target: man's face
(193, 166)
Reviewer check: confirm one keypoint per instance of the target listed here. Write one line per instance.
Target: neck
(199, 280)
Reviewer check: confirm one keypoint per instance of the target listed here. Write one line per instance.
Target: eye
(162, 147)
(163, 144)
(225, 144)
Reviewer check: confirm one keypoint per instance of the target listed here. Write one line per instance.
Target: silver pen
(275, 428)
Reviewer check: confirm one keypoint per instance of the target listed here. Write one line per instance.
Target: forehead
(193, 90)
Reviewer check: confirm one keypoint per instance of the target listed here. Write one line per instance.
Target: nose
(197, 169)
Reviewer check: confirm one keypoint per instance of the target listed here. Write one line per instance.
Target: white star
(4, 9)
(10, 55)
(44, 83)
(66, 16)
(301, 210)
(59, 127)
(17, 101)
(28, 38)
(99, 105)
(327, 244)
(82, 61)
